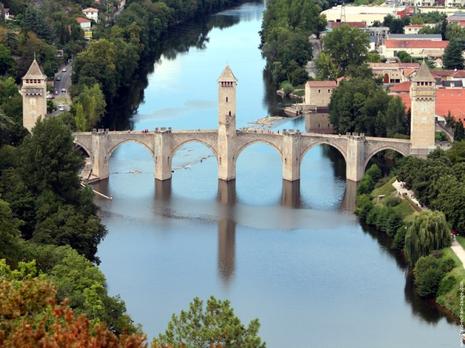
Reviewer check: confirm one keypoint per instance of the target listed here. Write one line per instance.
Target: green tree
(212, 325)
(453, 58)
(428, 272)
(89, 108)
(9, 234)
(346, 46)
(459, 131)
(428, 231)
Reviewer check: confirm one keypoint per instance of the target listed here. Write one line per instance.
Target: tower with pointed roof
(34, 92)
(227, 83)
(423, 97)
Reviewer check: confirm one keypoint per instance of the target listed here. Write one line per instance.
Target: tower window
(227, 99)
(229, 113)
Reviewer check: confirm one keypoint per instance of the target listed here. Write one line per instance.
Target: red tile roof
(389, 43)
(322, 84)
(460, 74)
(82, 20)
(401, 87)
(447, 100)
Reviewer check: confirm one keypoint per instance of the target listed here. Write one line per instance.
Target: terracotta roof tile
(415, 44)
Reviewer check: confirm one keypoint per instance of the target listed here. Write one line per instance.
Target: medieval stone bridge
(291, 145)
(227, 142)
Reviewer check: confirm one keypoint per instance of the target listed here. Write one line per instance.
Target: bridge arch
(114, 146)
(246, 144)
(370, 155)
(311, 146)
(189, 141)
(86, 150)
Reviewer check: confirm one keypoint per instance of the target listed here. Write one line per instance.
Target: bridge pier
(162, 157)
(291, 156)
(355, 160)
(100, 162)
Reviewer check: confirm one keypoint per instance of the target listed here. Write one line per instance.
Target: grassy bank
(437, 273)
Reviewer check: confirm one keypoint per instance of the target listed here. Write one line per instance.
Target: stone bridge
(291, 145)
(227, 142)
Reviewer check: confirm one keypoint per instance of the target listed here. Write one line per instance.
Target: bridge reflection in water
(226, 218)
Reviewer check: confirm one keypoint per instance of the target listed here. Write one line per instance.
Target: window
(226, 99)
(229, 113)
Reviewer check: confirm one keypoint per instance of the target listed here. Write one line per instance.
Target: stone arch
(246, 144)
(187, 141)
(114, 146)
(86, 150)
(383, 148)
(311, 146)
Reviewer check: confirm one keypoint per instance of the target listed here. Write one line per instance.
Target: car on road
(63, 90)
(64, 70)
(61, 107)
(58, 78)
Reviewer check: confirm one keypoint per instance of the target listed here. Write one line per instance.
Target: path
(459, 251)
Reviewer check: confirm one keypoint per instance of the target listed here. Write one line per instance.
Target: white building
(368, 14)
(91, 13)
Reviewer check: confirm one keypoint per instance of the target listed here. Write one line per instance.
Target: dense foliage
(214, 325)
(31, 316)
(286, 29)
(438, 182)
(429, 271)
(345, 53)
(427, 232)
(363, 106)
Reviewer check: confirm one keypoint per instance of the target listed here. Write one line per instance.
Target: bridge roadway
(291, 145)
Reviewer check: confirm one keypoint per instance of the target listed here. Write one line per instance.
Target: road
(62, 82)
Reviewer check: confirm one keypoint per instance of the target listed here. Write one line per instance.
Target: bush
(399, 238)
(429, 271)
(392, 201)
(364, 206)
(287, 87)
(446, 284)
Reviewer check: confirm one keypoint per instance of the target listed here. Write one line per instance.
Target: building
(458, 18)
(91, 13)
(413, 28)
(318, 93)
(449, 93)
(377, 36)
(367, 14)
(424, 37)
(416, 48)
(391, 73)
(34, 93)
(423, 117)
(84, 23)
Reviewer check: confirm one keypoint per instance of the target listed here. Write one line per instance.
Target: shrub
(428, 272)
(399, 238)
(446, 284)
(392, 201)
(364, 206)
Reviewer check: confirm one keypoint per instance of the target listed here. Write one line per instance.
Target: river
(295, 259)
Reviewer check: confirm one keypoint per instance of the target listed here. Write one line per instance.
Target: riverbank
(391, 212)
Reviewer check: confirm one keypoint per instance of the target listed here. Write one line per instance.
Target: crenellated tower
(227, 83)
(423, 110)
(34, 92)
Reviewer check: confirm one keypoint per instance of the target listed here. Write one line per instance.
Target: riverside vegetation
(51, 292)
(422, 236)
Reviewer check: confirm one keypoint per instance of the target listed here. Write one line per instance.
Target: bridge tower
(33, 91)
(227, 83)
(422, 94)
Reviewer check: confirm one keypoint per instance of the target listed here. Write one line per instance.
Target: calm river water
(297, 261)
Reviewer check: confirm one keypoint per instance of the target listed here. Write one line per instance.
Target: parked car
(63, 90)
(58, 78)
(61, 107)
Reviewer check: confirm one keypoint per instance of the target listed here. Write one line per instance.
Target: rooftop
(34, 72)
(227, 75)
(415, 37)
(423, 74)
(415, 44)
(328, 83)
(90, 9)
(83, 20)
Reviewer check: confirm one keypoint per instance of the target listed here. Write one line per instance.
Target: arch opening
(195, 170)
(126, 142)
(385, 158)
(259, 173)
(322, 177)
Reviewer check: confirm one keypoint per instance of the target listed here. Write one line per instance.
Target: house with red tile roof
(416, 48)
